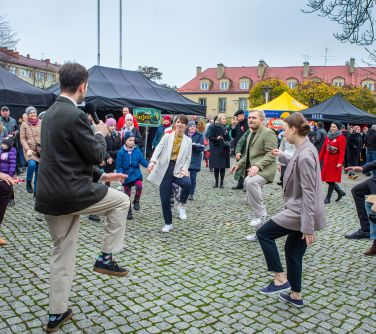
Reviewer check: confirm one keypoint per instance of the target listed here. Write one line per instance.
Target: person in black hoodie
(354, 147)
(220, 149)
(238, 128)
(370, 144)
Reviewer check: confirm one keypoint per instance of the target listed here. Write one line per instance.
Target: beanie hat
(167, 118)
(127, 135)
(192, 123)
(110, 122)
(29, 110)
(338, 124)
(128, 116)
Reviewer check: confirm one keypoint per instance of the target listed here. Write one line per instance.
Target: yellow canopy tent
(284, 102)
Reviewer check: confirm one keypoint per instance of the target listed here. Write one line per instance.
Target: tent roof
(18, 94)
(284, 102)
(337, 108)
(116, 88)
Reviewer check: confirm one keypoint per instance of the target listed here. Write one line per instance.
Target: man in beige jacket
(259, 166)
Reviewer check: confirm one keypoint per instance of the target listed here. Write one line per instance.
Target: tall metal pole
(121, 34)
(99, 31)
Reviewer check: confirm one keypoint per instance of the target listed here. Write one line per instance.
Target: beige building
(226, 89)
(40, 73)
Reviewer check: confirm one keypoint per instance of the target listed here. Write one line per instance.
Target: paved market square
(203, 277)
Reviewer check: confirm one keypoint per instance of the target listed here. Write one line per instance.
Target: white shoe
(251, 237)
(182, 213)
(257, 221)
(167, 228)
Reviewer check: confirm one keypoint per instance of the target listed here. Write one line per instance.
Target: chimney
(261, 68)
(306, 69)
(220, 71)
(17, 54)
(47, 60)
(198, 70)
(352, 65)
(28, 55)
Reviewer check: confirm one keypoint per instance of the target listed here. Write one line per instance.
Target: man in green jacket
(239, 153)
(258, 164)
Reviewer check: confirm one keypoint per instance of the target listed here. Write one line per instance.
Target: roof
(284, 102)
(115, 88)
(337, 108)
(14, 57)
(325, 73)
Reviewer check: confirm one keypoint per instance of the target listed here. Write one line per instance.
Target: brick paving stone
(204, 277)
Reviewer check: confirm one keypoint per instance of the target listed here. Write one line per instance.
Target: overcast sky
(177, 35)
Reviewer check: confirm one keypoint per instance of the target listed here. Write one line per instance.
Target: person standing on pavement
(359, 193)
(6, 191)
(370, 145)
(332, 156)
(219, 138)
(239, 153)
(121, 120)
(260, 166)
(196, 159)
(169, 164)
(354, 147)
(30, 141)
(289, 150)
(238, 127)
(161, 130)
(9, 122)
(303, 213)
(66, 190)
(320, 136)
(129, 127)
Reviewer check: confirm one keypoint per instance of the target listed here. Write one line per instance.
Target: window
(243, 103)
(204, 85)
(26, 73)
(202, 101)
(50, 77)
(339, 82)
(244, 84)
(39, 75)
(222, 104)
(224, 85)
(292, 82)
(370, 84)
(13, 70)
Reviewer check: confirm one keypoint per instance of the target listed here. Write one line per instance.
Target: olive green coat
(258, 153)
(240, 148)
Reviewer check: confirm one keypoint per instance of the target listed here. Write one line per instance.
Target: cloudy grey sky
(177, 35)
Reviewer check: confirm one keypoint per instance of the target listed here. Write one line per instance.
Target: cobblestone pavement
(203, 277)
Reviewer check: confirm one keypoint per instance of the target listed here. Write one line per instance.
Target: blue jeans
(193, 177)
(372, 226)
(371, 156)
(32, 167)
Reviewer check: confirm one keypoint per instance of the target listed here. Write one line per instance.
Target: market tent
(18, 94)
(284, 102)
(337, 108)
(113, 88)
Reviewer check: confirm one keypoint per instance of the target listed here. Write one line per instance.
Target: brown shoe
(3, 242)
(371, 251)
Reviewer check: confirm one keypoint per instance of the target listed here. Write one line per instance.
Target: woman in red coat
(332, 155)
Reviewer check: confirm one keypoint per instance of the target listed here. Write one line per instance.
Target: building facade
(40, 73)
(226, 89)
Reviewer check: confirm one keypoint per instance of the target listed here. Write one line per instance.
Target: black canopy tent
(337, 108)
(112, 88)
(18, 94)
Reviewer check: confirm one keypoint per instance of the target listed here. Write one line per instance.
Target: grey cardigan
(303, 195)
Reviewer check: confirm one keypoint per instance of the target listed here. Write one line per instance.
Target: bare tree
(356, 17)
(8, 38)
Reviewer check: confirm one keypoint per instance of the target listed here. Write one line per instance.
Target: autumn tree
(8, 38)
(360, 97)
(257, 95)
(312, 92)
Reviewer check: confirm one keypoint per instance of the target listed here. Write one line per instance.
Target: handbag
(332, 149)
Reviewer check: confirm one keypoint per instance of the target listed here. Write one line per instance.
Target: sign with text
(147, 116)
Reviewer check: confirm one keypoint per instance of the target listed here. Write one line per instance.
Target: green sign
(147, 116)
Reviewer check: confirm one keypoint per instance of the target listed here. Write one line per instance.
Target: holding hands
(276, 152)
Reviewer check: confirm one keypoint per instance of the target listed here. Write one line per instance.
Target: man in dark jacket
(238, 128)
(66, 190)
(320, 136)
(359, 192)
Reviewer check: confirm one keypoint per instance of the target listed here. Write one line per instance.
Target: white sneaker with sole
(257, 221)
(251, 237)
(182, 213)
(167, 228)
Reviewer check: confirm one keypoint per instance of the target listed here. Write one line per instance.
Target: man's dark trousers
(5, 193)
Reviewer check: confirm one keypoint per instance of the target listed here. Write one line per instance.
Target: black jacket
(320, 136)
(355, 142)
(219, 148)
(239, 130)
(370, 140)
(69, 151)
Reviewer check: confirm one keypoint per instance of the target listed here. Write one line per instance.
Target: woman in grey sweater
(303, 212)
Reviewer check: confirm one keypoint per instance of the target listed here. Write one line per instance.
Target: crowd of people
(68, 157)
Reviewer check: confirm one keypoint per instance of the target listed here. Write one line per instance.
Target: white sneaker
(182, 213)
(257, 221)
(167, 228)
(251, 237)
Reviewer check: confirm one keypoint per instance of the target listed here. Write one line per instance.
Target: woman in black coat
(220, 149)
(113, 141)
(354, 147)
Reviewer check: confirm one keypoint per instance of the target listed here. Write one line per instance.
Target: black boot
(29, 187)
(239, 185)
(329, 194)
(130, 215)
(339, 191)
(136, 205)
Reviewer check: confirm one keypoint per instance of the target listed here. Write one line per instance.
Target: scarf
(33, 122)
(129, 150)
(191, 134)
(334, 135)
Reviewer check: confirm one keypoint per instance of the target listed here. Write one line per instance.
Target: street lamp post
(121, 34)
(267, 90)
